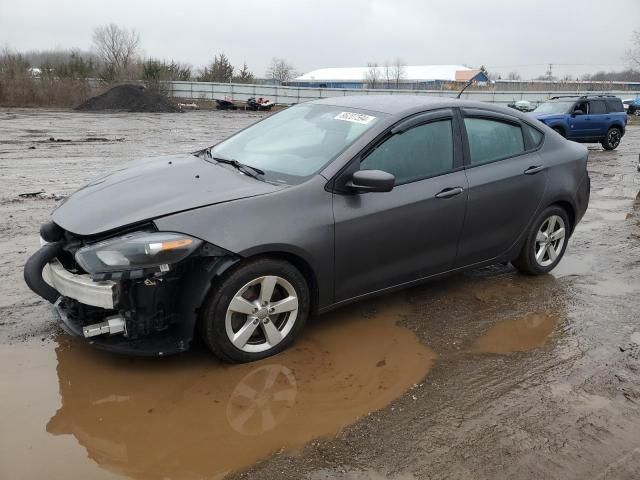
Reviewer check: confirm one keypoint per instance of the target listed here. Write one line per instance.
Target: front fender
(561, 124)
(296, 220)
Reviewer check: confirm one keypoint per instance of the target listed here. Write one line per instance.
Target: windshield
(554, 107)
(298, 141)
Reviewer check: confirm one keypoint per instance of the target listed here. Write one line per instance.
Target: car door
(391, 238)
(598, 113)
(507, 179)
(580, 126)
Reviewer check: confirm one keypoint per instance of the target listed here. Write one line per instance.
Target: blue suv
(586, 119)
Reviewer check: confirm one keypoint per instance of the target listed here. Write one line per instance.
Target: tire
(251, 328)
(529, 260)
(559, 131)
(612, 140)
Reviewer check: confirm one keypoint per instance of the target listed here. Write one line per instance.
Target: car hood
(151, 188)
(546, 116)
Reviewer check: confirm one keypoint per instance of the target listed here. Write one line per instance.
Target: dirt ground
(484, 375)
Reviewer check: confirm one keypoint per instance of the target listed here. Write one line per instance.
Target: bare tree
(514, 76)
(398, 71)
(632, 56)
(280, 70)
(117, 47)
(372, 75)
(388, 75)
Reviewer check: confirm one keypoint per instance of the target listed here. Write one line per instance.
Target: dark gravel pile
(129, 98)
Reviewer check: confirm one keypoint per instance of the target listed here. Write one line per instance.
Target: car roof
(567, 98)
(384, 103)
(399, 104)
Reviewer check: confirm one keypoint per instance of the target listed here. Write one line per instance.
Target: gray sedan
(320, 205)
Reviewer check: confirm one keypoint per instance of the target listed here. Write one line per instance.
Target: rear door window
(491, 140)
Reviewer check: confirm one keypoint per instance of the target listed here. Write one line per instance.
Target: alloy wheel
(549, 240)
(613, 137)
(261, 314)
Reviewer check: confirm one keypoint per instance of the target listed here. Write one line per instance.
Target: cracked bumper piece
(80, 287)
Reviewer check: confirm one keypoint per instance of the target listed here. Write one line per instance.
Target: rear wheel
(546, 242)
(256, 311)
(612, 140)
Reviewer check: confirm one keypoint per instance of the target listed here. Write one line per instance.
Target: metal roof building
(414, 77)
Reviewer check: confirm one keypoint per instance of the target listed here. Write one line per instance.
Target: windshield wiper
(244, 168)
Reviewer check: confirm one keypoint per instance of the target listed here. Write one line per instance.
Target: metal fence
(289, 95)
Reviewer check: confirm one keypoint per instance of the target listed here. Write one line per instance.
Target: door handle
(450, 192)
(533, 170)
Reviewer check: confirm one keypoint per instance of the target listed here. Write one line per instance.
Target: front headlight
(136, 250)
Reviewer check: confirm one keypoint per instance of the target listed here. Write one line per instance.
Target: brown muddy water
(485, 375)
(189, 416)
(516, 335)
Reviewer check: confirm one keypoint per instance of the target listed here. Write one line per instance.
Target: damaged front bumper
(82, 288)
(150, 313)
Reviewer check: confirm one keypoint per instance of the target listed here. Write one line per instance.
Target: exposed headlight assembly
(136, 251)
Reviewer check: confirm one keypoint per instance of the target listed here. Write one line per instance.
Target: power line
(559, 64)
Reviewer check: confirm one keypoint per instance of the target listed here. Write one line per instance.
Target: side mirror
(371, 181)
(578, 112)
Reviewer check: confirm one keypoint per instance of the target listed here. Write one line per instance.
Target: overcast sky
(505, 35)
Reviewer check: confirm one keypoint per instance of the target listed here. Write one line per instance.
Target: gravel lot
(484, 375)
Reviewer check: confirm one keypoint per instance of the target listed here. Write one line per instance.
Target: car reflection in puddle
(191, 417)
(262, 400)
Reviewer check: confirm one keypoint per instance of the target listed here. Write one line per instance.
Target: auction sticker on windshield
(354, 117)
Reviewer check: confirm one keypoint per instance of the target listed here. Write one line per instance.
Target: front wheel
(612, 140)
(546, 242)
(255, 311)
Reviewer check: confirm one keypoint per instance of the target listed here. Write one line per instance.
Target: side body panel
(567, 176)
(580, 127)
(617, 119)
(385, 239)
(502, 201)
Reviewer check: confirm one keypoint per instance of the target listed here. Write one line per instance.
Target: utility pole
(549, 73)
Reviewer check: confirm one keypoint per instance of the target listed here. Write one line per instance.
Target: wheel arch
(571, 212)
(617, 125)
(559, 128)
(297, 259)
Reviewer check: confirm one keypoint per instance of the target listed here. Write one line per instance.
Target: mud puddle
(190, 417)
(516, 335)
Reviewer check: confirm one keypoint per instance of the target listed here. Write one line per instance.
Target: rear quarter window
(615, 105)
(535, 135)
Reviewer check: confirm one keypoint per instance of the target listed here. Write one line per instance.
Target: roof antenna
(466, 85)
